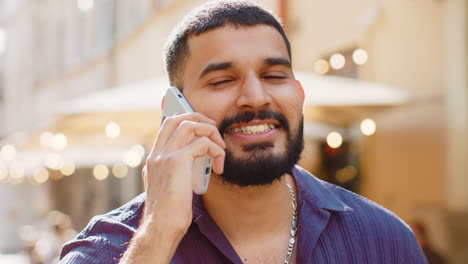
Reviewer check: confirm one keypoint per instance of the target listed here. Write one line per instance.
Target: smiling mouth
(252, 129)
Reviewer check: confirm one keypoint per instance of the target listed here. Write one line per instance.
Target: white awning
(319, 91)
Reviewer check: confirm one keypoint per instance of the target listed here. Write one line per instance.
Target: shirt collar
(314, 192)
(317, 193)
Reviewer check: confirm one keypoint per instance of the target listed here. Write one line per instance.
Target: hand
(168, 172)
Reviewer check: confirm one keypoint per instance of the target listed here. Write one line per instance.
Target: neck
(250, 213)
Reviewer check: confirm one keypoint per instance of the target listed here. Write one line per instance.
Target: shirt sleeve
(103, 241)
(411, 252)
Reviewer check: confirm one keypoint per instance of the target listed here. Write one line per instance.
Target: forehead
(230, 43)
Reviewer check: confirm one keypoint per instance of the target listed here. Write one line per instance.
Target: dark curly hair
(207, 17)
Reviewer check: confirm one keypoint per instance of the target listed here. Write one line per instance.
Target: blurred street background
(81, 82)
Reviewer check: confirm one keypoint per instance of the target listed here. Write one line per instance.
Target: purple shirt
(335, 226)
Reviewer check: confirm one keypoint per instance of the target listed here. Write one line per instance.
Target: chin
(262, 163)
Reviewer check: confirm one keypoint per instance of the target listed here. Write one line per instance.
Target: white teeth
(253, 129)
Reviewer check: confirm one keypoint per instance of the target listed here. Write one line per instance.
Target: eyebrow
(215, 67)
(277, 61)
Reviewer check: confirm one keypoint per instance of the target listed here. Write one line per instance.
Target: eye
(219, 82)
(274, 77)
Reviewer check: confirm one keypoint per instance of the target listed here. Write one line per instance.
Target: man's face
(242, 79)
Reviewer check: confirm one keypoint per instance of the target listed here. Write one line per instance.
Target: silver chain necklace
(293, 233)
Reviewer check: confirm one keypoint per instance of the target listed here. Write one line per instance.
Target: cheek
(211, 104)
(291, 100)
(291, 105)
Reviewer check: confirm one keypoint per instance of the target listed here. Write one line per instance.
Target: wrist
(153, 242)
(158, 218)
(163, 227)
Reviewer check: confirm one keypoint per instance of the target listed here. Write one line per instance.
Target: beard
(261, 166)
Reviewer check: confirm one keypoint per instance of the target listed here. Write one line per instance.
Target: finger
(204, 146)
(218, 164)
(144, 176)
(171, 123)
(188, 131)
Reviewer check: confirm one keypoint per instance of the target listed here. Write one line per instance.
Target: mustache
(247, 116)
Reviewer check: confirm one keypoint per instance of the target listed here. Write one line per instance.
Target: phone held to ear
(175, 102)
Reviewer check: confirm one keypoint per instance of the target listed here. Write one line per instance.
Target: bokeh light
(334, 140)
(46, 139)
(41, 175)
(360, 56)
(321, 66)
(346, 174)
(3, 172)
(100, 172)
(53, 161)
(138, 149)
(8, 152)
(120, 170)
(132, 158)
(337, 61)
(56, 175)
(16, 174)
(368, 127)
(112, 130)
(68, 168)
(59, 141)
(43, 246)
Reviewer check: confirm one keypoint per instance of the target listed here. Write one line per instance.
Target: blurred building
(414, 164)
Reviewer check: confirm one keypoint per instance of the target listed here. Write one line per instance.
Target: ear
(301, 89)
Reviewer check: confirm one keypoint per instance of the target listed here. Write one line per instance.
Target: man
(232, 61)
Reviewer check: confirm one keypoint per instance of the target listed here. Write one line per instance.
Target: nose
(253, 94)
